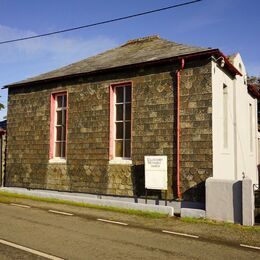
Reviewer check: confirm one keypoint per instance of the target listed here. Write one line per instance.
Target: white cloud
(20, 60)
(57, 48)
(8, 33)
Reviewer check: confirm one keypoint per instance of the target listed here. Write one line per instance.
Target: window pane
(119, 130)
(119, 94)
(128, 148)
(57, 149)
(64, 133)
(123, 113)
(127, 130)
(58, 133)
(128, 112)
(128, 94)
(65, 101)
(59, 117)
(119, 112)
(119, 148)
(59, 101)
(64, 114)
(63, 149)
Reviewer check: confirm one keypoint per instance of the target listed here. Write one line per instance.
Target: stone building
(86, 127)
(2, 150)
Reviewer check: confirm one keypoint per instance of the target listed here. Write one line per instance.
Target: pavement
(220, 232)
(101, 200)
(71, 232)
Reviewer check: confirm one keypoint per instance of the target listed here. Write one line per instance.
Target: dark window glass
(64, 101)
(119, 148)
(119, 112)
(63, 149)
(57, 149)
(59, 117)
(127, 148)
(127, 130)
(59, 101)
(64, 117)
(128, 94)
(119, 94)
(64, 133)
(119, 130)
(58, 133)
(128, 111)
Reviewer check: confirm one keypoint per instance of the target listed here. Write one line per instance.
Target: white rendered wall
(223, 158)
(258, 161)
(238, 159)
(246, 157)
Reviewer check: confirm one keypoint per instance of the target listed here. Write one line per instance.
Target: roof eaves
(229, 65)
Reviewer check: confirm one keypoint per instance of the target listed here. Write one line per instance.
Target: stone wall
(196, 129)
(2, 156)
(87, 167)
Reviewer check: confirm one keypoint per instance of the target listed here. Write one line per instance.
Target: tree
(1, 105)
(253, 80)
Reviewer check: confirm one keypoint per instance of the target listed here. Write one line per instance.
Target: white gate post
(248, 202)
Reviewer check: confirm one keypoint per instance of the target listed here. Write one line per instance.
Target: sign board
(155, 172)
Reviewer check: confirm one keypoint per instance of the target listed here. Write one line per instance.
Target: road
(78, 237)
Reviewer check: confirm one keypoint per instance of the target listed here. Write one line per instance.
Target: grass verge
(219, 223)
(6, 196)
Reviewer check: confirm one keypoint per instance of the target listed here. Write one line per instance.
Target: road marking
(61, 212)
(112, 222)
(179, 234)
(29, 250)
(253, 247)
(20, 205)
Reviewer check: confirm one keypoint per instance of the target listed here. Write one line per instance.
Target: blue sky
(230, 25)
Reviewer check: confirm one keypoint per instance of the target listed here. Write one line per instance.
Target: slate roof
(147, 49)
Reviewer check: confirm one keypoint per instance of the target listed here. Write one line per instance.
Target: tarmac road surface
(49, 235)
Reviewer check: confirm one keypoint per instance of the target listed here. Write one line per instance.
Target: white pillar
(248, 202)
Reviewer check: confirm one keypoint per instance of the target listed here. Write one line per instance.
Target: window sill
(121, 161)
(57, 161)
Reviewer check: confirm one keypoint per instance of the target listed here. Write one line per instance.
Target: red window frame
(113, 121)
(53, 124)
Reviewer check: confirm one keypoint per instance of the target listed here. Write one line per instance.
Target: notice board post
(156, 174)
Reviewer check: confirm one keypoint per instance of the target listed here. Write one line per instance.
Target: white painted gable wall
(230, 163)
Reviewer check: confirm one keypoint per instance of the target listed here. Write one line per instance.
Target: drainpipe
(178, 126)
